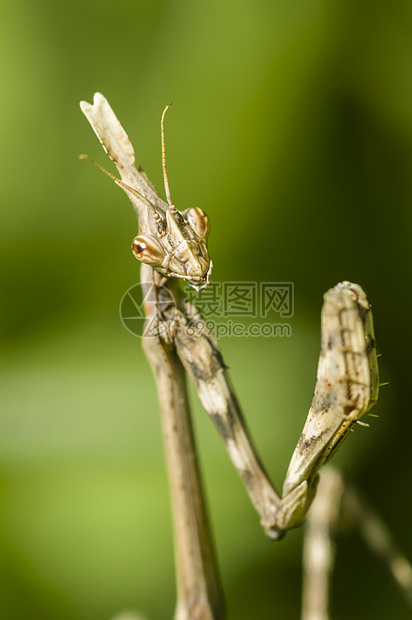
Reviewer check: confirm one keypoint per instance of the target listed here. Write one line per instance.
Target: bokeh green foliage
(292, 129)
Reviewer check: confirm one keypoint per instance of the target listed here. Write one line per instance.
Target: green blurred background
(292, 128)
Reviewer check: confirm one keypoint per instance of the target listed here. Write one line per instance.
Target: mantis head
(172, 242)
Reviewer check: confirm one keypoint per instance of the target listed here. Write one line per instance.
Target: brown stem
(318, 550)
(199, 591)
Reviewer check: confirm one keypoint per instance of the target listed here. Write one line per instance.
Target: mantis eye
(148, 250)
(198, 221)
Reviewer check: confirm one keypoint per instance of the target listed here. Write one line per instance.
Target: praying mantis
(171, 246)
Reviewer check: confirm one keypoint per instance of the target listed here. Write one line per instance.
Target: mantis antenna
(165, 177)
(119, 182)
